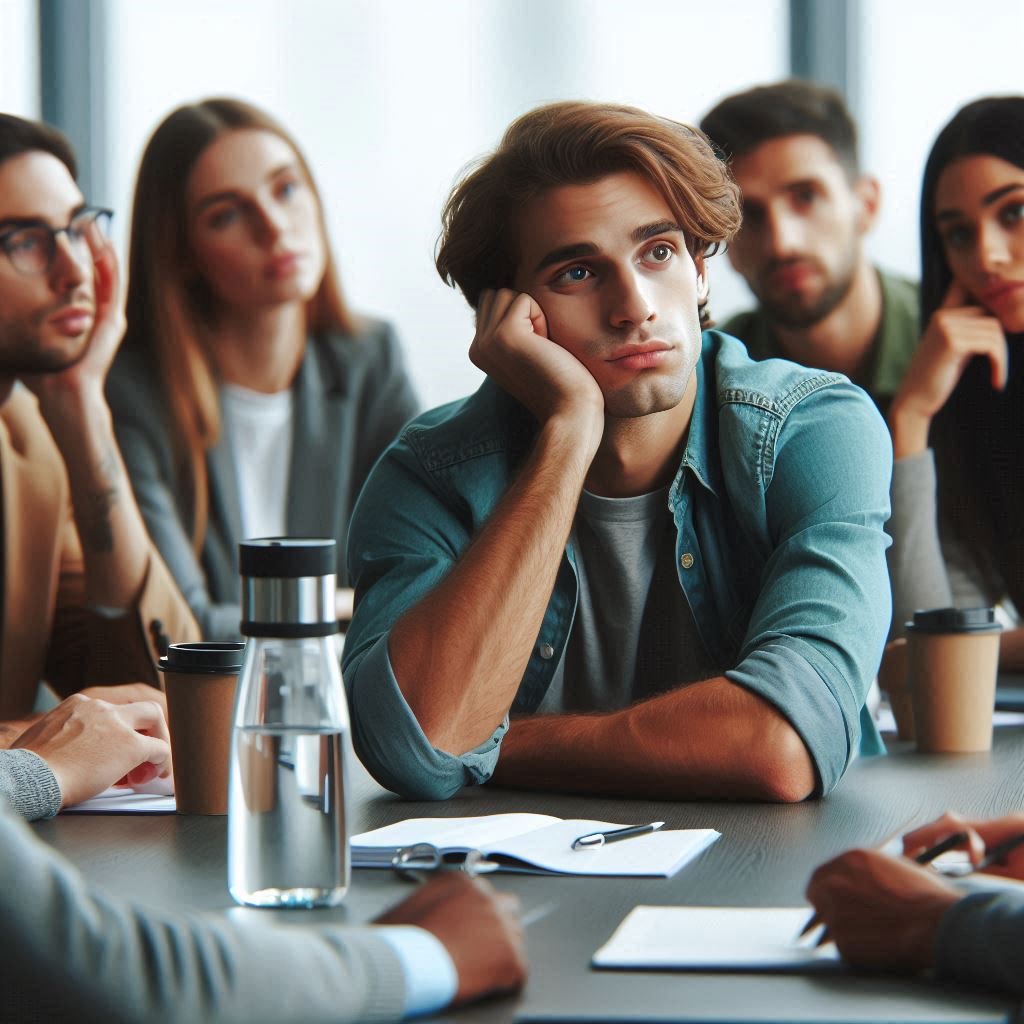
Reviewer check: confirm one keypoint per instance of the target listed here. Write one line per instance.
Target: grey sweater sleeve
(76, 949)
(917, 568)
(981, 941)
(28, 784)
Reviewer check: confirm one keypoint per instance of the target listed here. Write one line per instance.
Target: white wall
(390, 98)
(924, 59)
(19, 57)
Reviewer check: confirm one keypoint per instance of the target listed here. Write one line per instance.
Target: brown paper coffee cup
(952, 676)
(200, 681)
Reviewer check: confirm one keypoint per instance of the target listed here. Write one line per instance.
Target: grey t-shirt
(634, 635)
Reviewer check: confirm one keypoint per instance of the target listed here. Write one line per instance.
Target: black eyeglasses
(32, 248)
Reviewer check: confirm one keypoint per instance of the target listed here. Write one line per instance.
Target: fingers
(145, 716)
(949, 824)
(105, 268)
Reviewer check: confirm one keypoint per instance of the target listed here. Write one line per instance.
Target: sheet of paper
(713, 938)
(453, 833)
(124, 801)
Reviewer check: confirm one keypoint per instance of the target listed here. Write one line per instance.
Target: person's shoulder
(773, 385)
(740, 325)
(484, 423)
(366, 341)
(903, 288)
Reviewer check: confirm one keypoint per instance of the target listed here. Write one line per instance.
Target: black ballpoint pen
(595, 839)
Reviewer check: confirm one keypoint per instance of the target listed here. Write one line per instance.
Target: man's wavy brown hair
(575, 143)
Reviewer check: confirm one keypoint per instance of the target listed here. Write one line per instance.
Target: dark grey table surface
(764, 858)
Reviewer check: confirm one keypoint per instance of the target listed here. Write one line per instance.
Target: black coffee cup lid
(954, 620)
(212, 657)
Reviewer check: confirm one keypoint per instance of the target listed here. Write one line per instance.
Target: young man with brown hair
(634, 561)
(807, 208)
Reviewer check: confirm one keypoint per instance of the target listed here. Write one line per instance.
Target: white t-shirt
(259, 428)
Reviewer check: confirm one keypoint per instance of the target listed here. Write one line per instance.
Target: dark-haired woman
(958, 420)
(248, 399)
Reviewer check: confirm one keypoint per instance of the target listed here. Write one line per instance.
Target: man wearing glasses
(86, 598)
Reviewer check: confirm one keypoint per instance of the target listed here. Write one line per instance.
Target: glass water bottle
(287, 825)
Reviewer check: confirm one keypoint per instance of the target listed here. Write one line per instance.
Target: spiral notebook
(536, 843)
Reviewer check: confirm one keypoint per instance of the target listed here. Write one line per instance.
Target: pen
(924, 857)
(595, 839)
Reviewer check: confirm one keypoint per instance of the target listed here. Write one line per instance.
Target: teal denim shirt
(779, 502)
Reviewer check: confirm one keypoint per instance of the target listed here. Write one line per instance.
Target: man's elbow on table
(782, 768)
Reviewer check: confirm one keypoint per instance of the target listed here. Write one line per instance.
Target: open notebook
(536, 843)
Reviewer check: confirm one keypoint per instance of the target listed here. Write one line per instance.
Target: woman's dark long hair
(978, 437)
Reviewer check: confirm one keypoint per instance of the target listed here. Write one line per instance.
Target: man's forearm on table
(460, 654)
(706, 740)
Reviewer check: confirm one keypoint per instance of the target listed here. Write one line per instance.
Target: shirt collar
(701, 454)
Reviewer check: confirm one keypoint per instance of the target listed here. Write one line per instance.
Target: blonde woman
(248, 399)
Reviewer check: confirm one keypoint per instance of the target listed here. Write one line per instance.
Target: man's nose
(782, 234)
(630, 304)
(72, 264)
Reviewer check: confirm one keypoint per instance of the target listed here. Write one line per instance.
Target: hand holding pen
(884, 912)
(923, 857)
(990, 844)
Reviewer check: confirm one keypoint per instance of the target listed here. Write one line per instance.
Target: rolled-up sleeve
(817, 630)
(405, 536)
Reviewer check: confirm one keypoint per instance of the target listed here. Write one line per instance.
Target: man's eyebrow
(567, 252)
(8, 223)
(987, 200)
(660, 227)
(227, 194)
(579, 249)
(801, 183)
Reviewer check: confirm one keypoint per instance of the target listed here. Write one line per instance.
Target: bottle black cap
(954, 620)
(287, 557)
(208, 658)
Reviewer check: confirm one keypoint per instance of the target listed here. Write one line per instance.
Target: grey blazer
(352, 396)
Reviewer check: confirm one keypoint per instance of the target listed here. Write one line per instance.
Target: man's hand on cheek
(512, 346)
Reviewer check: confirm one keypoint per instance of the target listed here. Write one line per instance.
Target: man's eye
(573, 275)
(660, 253)
(24, 241)
(805, 196)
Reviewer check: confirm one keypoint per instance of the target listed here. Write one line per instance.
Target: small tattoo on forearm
(94, 526)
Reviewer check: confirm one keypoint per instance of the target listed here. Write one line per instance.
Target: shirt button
(546, 651)
(686, 561)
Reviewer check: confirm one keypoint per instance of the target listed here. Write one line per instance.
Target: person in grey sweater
(75, 952)
(957, 420)
(891, 914)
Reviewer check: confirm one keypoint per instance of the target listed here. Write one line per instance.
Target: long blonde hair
(170, 307)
